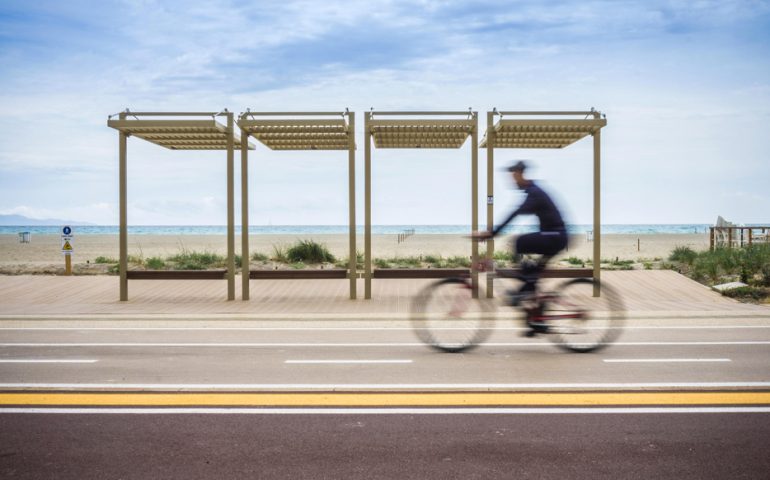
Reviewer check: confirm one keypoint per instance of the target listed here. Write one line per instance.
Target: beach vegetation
(101, 259)
(382, 263)
(155, 263)
(749, 265)
(297, 265)
(192, 260)
(309, 251)
(683, 254)
(503, 256)
(575, 261)
(259, 257)
(279, 254)
(136, 259)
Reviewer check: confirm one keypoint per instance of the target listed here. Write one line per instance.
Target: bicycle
(448, 316)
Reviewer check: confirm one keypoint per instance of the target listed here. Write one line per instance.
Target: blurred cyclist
(548, 242)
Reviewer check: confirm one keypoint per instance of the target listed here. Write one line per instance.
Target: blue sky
(685, 87)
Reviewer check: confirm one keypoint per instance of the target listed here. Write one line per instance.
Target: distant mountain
(22, 221)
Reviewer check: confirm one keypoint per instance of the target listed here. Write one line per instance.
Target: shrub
(279, 254)
(259, 257)
(155, 263)
(310, 252)
(381, 263)
(101, 259)
(190, 260)
(683, 255)
(575, 261)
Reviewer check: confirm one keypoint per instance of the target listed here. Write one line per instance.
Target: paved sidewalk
(654, 293)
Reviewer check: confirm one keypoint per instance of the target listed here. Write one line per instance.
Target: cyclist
(548, 241)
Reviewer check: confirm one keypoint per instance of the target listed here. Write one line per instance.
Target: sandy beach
(43, 253)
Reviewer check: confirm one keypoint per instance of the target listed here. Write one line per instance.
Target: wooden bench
(465, 272)
(176, 274)
(332, 273)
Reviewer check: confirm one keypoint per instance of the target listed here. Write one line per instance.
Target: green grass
(279, 254)
(575, 261)
(136, 259)
(155, 263)
(101, 259)
(191, 260)
(309, 251)
(382, 263)
(259, 257)
(683, 255)
(750, 265)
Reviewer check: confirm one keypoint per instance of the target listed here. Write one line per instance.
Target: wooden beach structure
(738, 236)
(423, 130)
(552, 130)
(177, 131)
(307, 131)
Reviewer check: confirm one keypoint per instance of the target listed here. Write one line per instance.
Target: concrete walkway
(644, 292)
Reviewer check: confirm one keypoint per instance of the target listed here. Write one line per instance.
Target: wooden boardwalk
(643, 291)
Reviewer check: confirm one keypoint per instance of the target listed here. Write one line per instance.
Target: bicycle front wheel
(446, 316)
(580, 322)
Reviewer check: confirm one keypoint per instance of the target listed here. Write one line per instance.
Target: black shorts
(544, 243)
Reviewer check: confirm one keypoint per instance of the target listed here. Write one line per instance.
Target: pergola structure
(302, 131)
(424, 130)
(174, 133)
(546, 130)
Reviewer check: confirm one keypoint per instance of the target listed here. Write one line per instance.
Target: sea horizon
(617, 229)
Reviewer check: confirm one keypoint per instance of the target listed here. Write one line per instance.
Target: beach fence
(733, 236)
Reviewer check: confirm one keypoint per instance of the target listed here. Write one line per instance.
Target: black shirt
(537, 203)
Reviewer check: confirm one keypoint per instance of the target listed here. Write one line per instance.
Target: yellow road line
(383, 399)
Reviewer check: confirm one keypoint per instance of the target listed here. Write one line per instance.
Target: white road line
(337, 345)
(345, 361)
(664, 360)
(385, 411)
(383, 386)
(29, 360)
(315, 329)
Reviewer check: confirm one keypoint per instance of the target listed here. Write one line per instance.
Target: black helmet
(519, 166)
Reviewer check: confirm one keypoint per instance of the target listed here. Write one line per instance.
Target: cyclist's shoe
(536, 327)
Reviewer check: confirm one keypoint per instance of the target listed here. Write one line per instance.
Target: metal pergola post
(367, 207)
(244, 217)
(353, 258)
(230, 208)
(123, 193)
(490, 195)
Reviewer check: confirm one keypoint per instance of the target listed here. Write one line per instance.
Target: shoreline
(44, 251)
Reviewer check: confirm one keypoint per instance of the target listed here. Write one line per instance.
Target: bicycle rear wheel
(579, 322)
(446, 317)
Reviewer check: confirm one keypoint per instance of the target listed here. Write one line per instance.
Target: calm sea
(339, 229)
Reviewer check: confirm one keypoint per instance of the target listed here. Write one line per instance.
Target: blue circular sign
(66, 230)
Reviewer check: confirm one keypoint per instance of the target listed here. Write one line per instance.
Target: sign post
(66, 248)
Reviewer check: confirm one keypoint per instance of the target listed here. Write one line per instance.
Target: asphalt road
(601, 428)
(576, 446)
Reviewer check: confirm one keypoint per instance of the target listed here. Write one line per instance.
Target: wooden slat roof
(179, 134)
(420, 133)
(559, 133)
(302, 134)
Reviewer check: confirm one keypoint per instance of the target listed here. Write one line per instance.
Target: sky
(685, 87)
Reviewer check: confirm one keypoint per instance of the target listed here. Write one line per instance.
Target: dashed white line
(317, 362)
(664, 360)
(45, 360)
